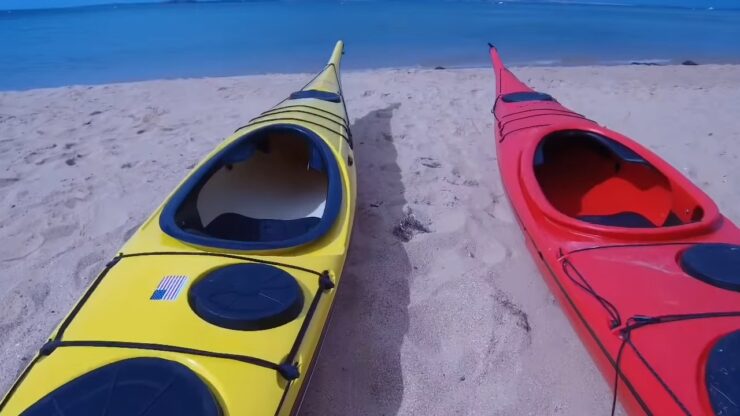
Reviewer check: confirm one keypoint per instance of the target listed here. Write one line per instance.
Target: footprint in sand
(424, 331)
(22, 302)
(57, 232)
(451, 220)
(16, 307)
(38, 156)
(38, 293)
(107, 218)
(499, 209)
(429, 162)
(8, 181)
(87, 268)
(521, 319)
(19, 242)
(131, 230)
(495, 251)
(81, 194)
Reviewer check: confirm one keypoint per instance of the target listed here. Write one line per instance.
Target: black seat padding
(317, 94)
(716, 264)
(622, 219)
(587, 138)
(524, 96)
(137, 386)
(672, 220)
(619, 150)
(232, 226)
(248, 297)
(723, 375)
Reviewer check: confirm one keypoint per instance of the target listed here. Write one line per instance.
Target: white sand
(456, 321)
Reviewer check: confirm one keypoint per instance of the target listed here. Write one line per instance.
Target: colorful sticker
(169, 288)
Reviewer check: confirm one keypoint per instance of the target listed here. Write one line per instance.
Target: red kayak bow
(641, 260)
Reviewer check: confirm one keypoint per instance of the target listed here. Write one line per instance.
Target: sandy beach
(456, 320)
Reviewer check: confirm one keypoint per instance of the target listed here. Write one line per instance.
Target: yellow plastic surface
(119, 308)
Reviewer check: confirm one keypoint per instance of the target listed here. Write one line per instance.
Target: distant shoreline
(576, 3)
(633, 65)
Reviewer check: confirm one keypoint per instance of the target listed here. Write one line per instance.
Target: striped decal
(169, 288)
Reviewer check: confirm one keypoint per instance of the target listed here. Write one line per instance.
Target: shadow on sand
(359, 370)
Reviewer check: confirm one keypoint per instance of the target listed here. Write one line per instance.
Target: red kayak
(641, 260)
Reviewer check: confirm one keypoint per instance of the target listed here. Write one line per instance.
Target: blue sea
(101, 43)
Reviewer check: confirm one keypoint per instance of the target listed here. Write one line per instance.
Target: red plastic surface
(635, 269)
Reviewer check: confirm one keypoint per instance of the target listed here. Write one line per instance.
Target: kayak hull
(249, 341)
(610, 240)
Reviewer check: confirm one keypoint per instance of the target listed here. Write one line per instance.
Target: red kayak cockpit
(641, 260)
(595, 179)
(590, 179)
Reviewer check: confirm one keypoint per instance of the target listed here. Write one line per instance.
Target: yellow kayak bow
(218, 303)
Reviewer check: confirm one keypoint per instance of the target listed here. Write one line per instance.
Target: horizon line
(604, 3)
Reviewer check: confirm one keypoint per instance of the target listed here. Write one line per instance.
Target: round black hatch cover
(716, 264)
(137, 386)
(524, 96)
(247, 297)
(723, 376)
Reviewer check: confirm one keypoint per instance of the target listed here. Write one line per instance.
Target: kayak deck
(641, 260)
(233, 314)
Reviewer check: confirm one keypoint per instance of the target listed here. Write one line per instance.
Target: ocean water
(128, 42)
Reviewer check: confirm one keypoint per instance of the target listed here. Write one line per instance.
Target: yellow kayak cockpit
(218, 303)
(289, 167)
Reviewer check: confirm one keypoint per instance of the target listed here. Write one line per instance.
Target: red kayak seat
(595, 179)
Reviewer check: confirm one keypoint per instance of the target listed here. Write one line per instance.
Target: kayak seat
(629, 220)
(672, 220)
(275, 187)
(232, 226)
(137, 386)
(622, 219)
(319, 95)
(599, 180)
(604, 145)
(247, 297)
(524, 96)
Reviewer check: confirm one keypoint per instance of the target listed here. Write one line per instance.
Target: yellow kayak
(218, 304)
